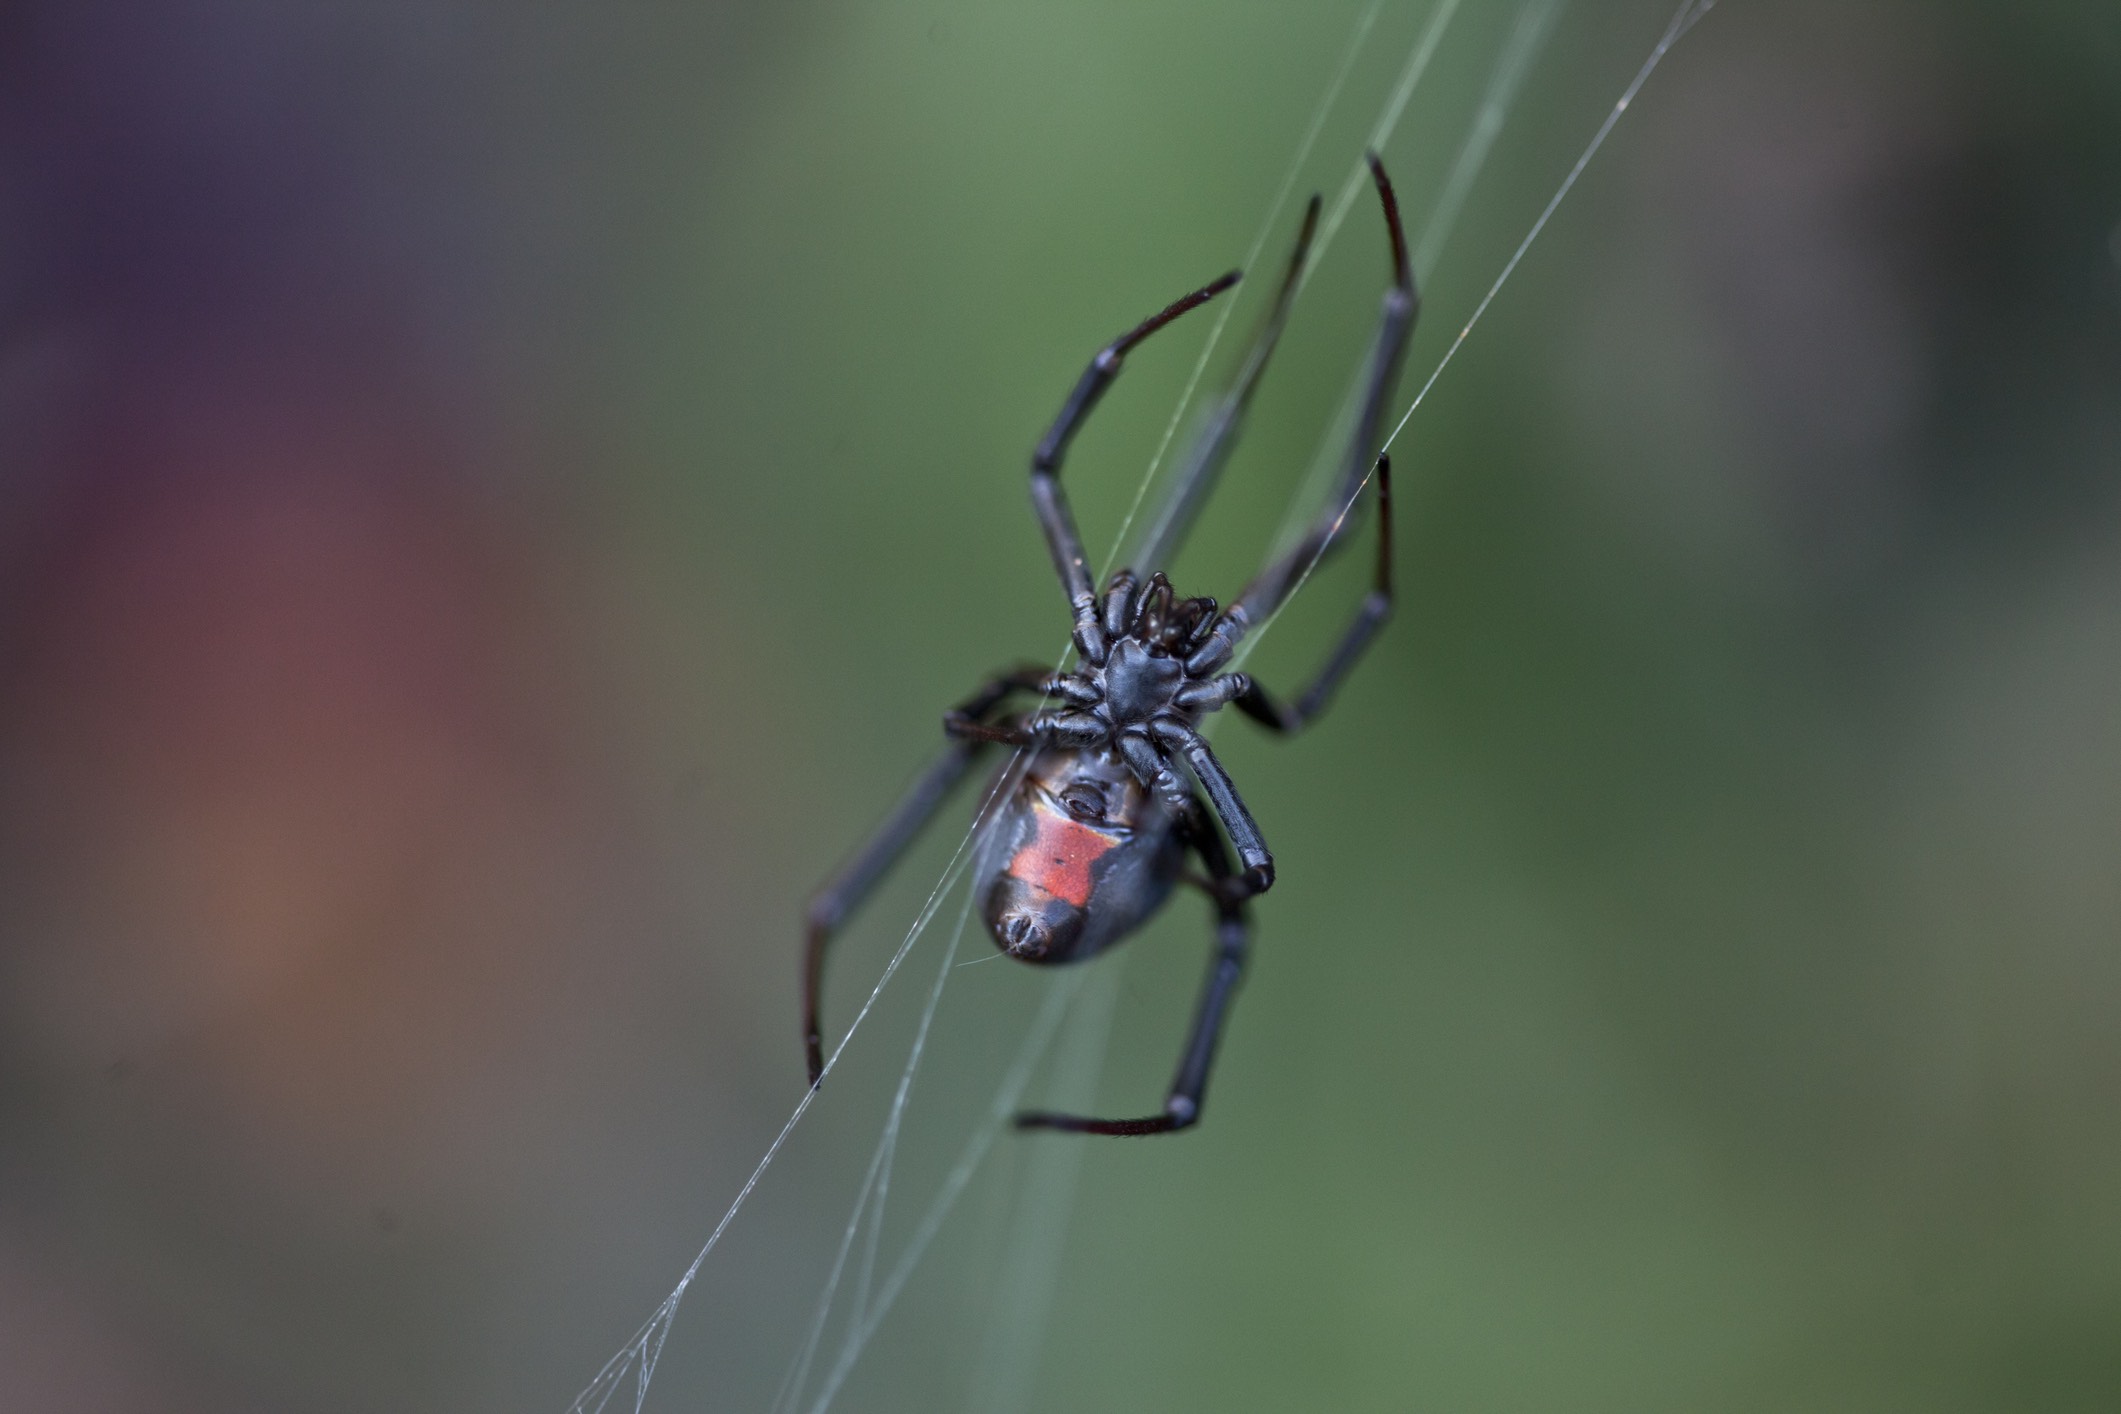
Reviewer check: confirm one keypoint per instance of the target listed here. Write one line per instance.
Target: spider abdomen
(1079, 857)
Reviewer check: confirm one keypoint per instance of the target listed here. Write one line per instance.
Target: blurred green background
(495, 498)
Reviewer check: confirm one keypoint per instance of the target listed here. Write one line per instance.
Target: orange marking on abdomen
(1059, 857)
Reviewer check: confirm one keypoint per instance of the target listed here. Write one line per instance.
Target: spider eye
(1085, 802)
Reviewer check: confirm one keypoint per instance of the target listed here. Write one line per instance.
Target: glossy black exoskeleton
(1090, 839)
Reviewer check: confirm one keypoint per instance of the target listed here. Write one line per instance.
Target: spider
(1093, 838)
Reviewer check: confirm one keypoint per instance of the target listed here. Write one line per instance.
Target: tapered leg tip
(1170, 1122)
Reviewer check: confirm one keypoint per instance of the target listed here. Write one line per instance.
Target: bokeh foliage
(499, 496)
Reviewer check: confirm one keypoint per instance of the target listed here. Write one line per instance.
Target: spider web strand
(877, 1182)
(1684, 19)
(1388, 118)
(1326, 102)
(1688, 15)
(982, 1139)
(639, 1355)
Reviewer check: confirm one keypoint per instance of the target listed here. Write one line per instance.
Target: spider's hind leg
(844, 891)
(1231, 894)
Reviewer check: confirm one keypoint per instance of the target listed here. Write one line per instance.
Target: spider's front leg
(1230, 895)
(1261, 599)
(1051, 503)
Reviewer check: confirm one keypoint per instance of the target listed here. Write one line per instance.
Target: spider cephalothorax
(1149, 670)
(1090, 840)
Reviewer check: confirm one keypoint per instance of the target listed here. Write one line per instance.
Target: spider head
(1147, 665)
(1155, 617)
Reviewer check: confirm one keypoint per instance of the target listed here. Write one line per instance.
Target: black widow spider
(1091, 841)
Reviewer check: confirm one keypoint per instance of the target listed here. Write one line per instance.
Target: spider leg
(1271, 587)
(844, 891)
(1211, 448)
(1376, 607)
(1226, 966)
(1119, 603)
(1040, 730)
(1222, 794)
(1051, 502)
